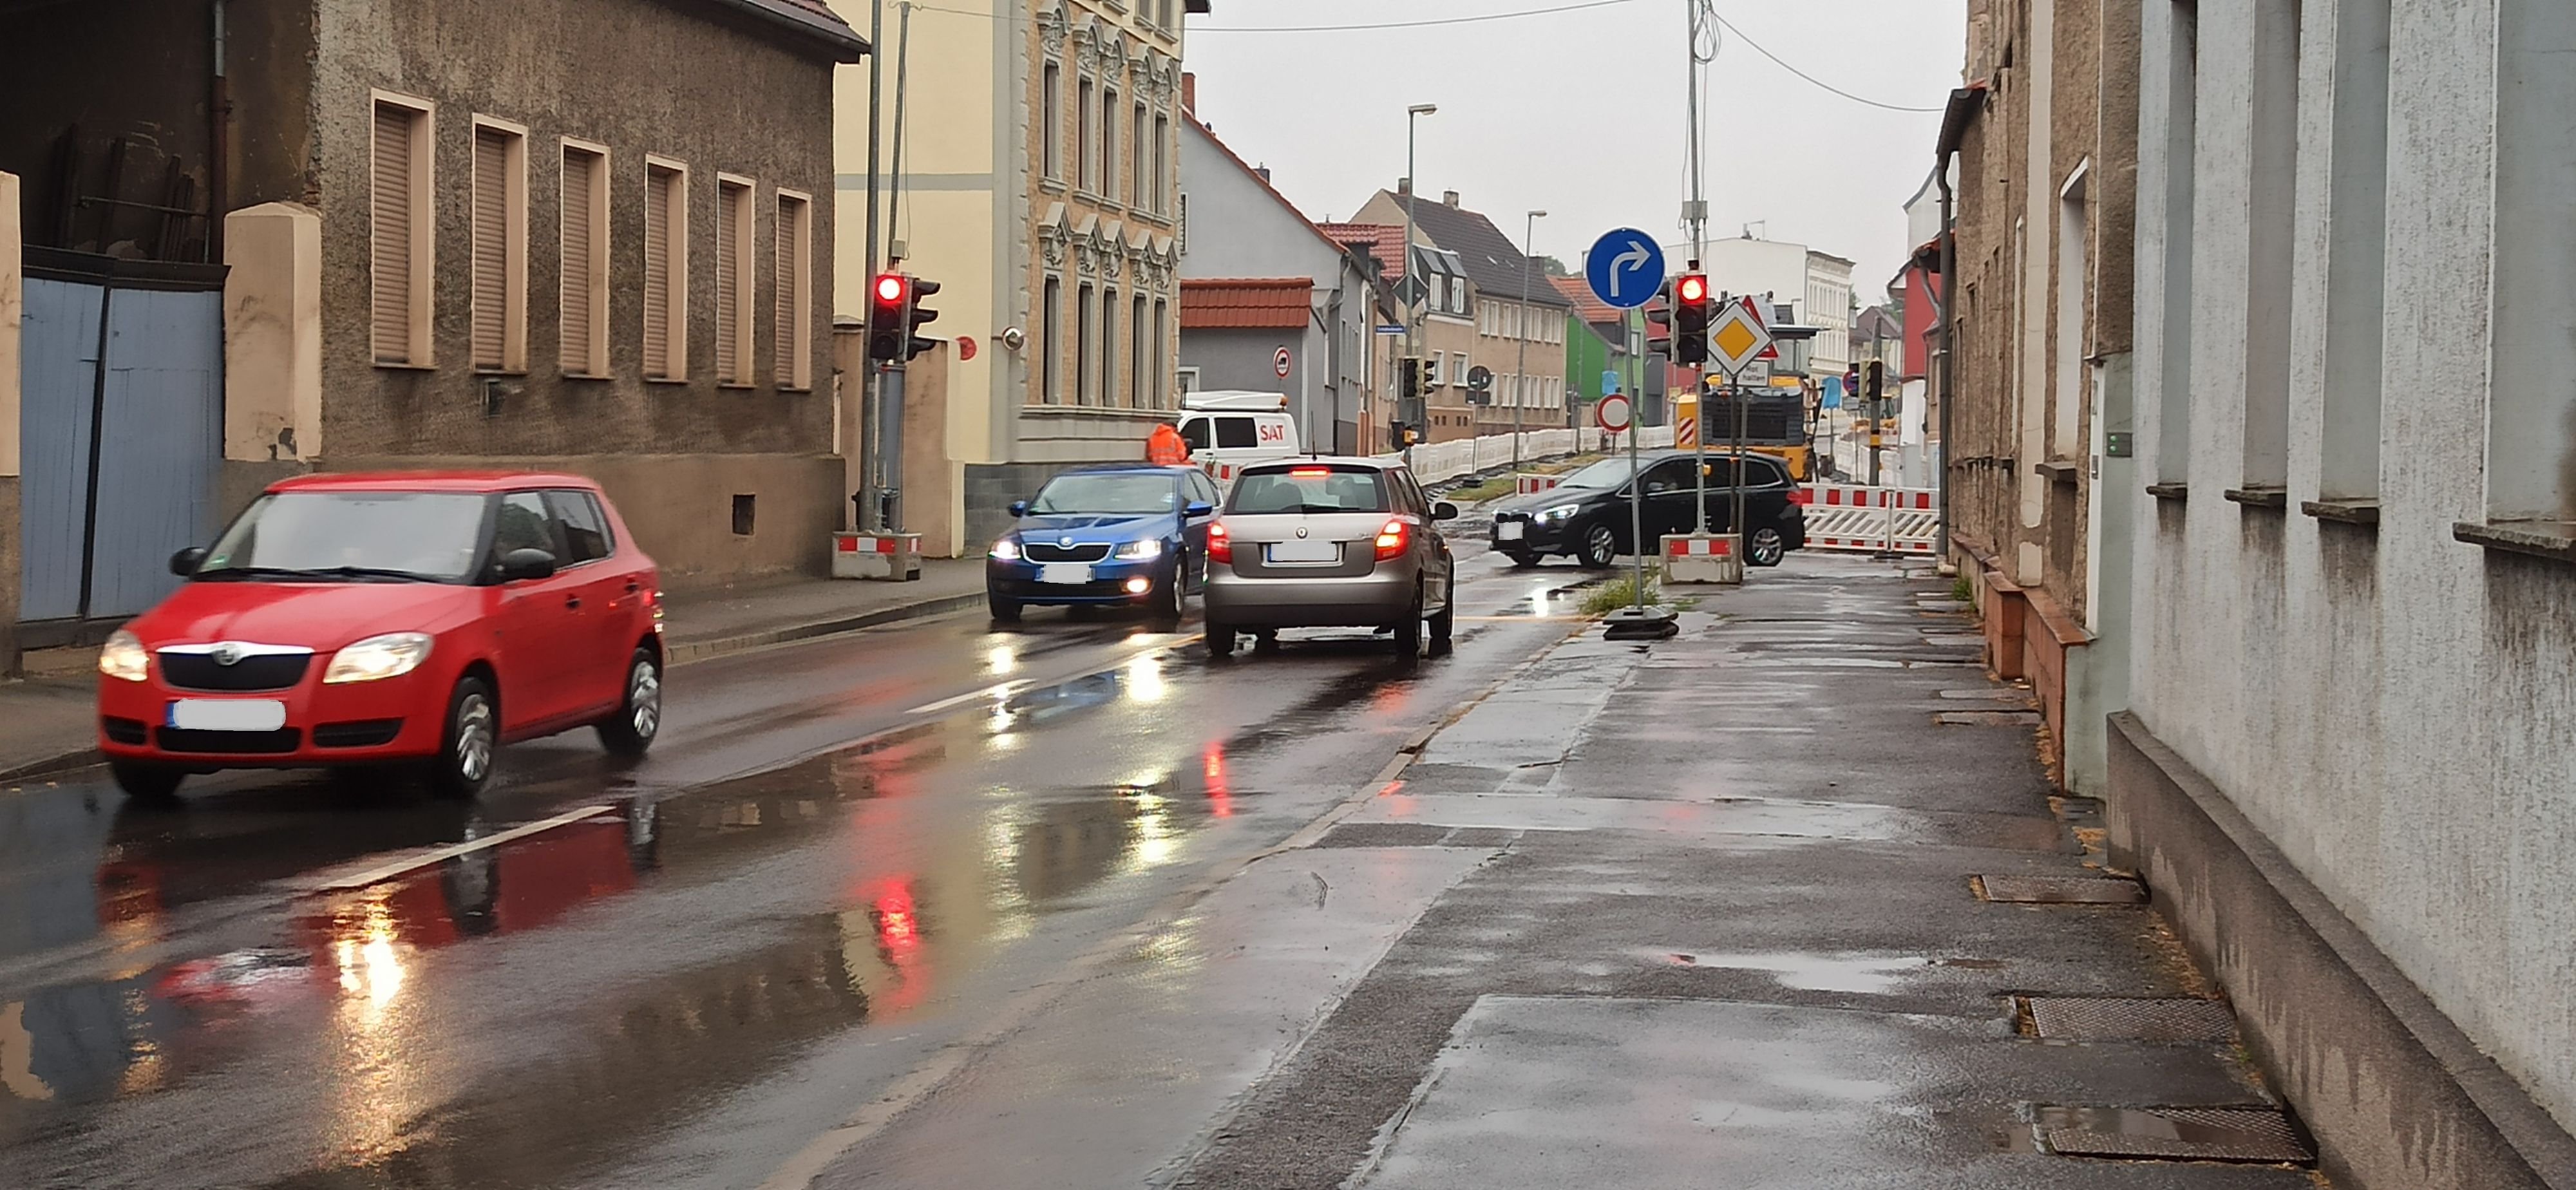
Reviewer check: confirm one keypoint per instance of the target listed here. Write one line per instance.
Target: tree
(1551, 266)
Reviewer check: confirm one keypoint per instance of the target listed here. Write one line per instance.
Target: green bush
(1960, 590)
(1618, 593)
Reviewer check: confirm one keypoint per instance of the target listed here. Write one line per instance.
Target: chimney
(1449, 199)
(1263, 170)
(1189, 93)
(1403, 186)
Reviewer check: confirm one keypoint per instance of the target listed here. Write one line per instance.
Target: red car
(422, 619)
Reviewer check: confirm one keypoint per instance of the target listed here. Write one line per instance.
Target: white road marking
(410, 863)
(993, 691)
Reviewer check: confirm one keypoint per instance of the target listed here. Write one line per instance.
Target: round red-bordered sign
(1613, 414)
(1279, 362)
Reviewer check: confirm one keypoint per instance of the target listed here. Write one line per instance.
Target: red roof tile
(1382, 241)
(1255, 303)
(1586, 303)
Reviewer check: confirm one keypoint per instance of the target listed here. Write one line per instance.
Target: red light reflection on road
(1212, 766)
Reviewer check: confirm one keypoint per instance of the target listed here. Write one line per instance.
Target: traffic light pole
(889, 438)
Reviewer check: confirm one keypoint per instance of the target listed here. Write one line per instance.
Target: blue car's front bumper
(1018, 580)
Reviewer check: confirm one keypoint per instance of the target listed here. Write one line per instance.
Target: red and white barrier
(1527, 484)
(1891, 520)
(884, 556)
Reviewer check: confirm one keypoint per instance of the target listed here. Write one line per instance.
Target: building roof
(1381, 242)
(1586, 303)
(812, 19)
(1492, 264)
(1245, 303)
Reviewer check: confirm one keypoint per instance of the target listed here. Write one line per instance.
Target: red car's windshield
(426, 535)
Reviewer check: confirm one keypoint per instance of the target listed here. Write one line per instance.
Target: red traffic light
(1692, 289)
(889, 289)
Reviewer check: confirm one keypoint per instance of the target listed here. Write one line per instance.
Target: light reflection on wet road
(186, 1001)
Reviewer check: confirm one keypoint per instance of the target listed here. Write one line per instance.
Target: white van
(1227, 430)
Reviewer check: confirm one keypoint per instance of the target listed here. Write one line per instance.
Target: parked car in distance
(1227, 431)
(1331, 542)
(1122, 534)
(1586, 515)
(413, 619)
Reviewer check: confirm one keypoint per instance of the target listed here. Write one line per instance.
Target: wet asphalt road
(842, 857)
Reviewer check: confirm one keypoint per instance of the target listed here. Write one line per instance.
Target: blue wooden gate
(121, 425)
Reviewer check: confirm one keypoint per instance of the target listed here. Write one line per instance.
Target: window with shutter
(734, 279)
(666, 214)
(1136, 358)
(795, 327)
(584, 324)
(500, 272)
(399, 243)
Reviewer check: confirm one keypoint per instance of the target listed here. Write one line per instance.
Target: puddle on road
(1862, 973)
(927, 887)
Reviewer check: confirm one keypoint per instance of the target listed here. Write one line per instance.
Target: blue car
(1126, 535)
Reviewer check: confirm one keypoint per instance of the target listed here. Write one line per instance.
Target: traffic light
(1659, 330)
(918, 316)
(1874, 379)
(889, 316)
(1690, 319)
(1408, 379)
(895, 315)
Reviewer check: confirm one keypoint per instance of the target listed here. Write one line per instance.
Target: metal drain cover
(2093, 1018)
(2062, 890)
(2259, 1134)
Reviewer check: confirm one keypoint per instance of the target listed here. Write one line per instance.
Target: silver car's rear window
(1309, 489)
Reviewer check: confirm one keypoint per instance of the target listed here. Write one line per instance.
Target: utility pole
(861, 499)
(889, 435)
(1413, 319)
(1520, 369)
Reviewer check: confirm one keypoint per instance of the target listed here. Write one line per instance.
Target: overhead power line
(1783, 64)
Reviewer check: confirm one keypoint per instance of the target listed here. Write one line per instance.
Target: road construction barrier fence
(1871, 520)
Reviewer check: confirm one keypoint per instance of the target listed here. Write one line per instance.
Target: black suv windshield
(1130, 495)
(435, 536)
(1608, 473)
(1309, 489)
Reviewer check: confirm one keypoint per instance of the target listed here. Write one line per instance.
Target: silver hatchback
(1330, 543)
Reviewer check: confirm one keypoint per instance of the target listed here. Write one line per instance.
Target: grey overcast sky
(1580, 113)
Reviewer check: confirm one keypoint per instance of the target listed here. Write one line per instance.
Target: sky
(1581, 113)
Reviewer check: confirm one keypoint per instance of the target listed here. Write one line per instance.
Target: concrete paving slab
(1847, 821)
(1558, 1091)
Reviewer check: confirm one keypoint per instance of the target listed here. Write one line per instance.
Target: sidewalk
(1782, 901)
(45, 719)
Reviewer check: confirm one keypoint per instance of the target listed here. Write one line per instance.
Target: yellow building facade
(1040, 188)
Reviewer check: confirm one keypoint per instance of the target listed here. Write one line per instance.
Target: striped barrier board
(1848, 517)
(1529, 485)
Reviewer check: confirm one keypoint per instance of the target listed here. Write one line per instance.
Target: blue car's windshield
(1124, 495)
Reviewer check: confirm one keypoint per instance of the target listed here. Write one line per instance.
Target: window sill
(799, 389)
(2259, 497)
(740, 386)
(390, 366)
(588, 376)
(675, 381)
(2176, 492)
(2347, 512)
(2064, 473)
(2551, 540)
(1053, 185)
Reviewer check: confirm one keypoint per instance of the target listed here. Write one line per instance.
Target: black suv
(1586, 515)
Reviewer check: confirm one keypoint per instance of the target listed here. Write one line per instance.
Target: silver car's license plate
(1305, 551)
(1072, 574)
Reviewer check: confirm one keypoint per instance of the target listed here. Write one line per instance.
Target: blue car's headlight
(1138, 551)
(1006, 550)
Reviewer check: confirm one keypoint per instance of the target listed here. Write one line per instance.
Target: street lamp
(1413, 324)
(1520, 369)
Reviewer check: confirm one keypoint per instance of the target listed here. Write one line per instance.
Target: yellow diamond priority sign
(1736, 336)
